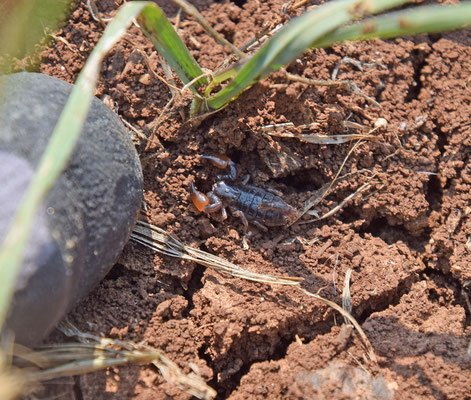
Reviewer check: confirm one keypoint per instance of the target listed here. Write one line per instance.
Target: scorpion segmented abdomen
(250, 200)
(247, 202)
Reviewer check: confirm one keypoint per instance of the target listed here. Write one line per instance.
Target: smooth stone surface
(88, 215)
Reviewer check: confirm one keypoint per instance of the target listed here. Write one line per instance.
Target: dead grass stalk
(165, 243)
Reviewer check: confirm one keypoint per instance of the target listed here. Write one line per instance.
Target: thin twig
(93, 9)
(147, 61)
(339, 206)
(191, 10)
(322, 139)
(359, 363)
(345, 84)
(322, 193)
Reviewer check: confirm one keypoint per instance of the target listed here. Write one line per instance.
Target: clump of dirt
(406, 238)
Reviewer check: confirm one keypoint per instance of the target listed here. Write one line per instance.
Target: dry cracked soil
(406, 236)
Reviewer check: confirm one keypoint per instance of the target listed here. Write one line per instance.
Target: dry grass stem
(171, 85)
(359, 363)
(12, 383)
(191, 10)
(162, 242)
(316, 199)
(335, 306)
(285, 130)
(348, 60)
(351, 87)
(321, 139)
(175, 96)
(316, 82)
(346, 297)
(93, 9)
(263, 36)
(196, 120)
(333, 272)
(75, 50)
(193, 81)
(339, 206)
(279, 127)
(354, 125)
(299, 4)
(96, 354)
(138, 133)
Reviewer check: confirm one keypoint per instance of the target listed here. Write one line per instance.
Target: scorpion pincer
(248, 202)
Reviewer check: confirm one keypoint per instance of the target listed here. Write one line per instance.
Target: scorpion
(248, 202)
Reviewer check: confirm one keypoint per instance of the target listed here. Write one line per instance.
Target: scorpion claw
(205, 203)
(222, 161)
(218, 160)
(199, 199)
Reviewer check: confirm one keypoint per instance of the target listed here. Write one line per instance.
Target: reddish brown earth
(407, 238)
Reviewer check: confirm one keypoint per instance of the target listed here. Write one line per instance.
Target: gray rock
(87, 216)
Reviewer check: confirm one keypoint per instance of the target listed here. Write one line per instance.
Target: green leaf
(294, 39)
(425, 19)
(155, 26)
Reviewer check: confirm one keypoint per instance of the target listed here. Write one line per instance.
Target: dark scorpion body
(248, 202)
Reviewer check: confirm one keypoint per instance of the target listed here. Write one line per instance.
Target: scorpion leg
(243, 218)
(260, 225)
(224, 214)
(246, 179)
(274, 191)
(222, 161)
(216, 204)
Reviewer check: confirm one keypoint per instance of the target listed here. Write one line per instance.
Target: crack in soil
(419, 62)
(442, 141)
(392, 234)
(434, 194)
(446, 281)
(195, 283)
(227, 386)
(388, 299)
(77, 389)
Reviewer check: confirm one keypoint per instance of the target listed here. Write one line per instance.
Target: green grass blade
(155, 26)
(57, 153)
(295, 38)
(425, 19)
